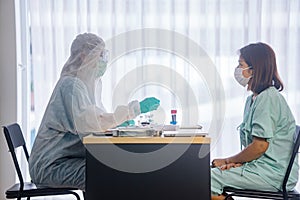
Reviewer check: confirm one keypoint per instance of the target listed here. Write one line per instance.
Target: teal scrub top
(269, 116)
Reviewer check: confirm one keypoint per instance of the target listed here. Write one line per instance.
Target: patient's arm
(253, 151)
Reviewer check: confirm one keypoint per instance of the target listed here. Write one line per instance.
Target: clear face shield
(104, 56)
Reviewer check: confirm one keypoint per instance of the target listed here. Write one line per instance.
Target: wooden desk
(147, 168)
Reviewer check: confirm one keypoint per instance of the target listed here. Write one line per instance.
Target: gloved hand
(127, 123)
(149, 104)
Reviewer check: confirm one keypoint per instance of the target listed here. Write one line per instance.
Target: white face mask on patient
(239, 77)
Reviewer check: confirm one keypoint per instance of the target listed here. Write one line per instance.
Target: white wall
(8, 89)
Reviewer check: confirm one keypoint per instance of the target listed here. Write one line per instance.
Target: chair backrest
(14, 138)
(293, 156)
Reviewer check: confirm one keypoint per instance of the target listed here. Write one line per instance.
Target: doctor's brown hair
(261, 58)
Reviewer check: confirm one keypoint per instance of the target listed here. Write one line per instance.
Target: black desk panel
(187, 178)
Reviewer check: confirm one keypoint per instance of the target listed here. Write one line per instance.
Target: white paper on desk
(191, 127)
(185, 133)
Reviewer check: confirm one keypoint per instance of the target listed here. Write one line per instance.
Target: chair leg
(229, 197)
(285, 196)
(76, 195)
(28, 198)
(83, 195)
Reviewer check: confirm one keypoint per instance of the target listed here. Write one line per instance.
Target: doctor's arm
(253, 151)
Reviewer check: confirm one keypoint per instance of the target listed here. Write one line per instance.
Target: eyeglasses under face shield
(105, 55)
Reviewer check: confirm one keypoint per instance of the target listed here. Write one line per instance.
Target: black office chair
(15, 139)
(284, 194)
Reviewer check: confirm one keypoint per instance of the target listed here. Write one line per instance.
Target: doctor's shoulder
(71, 84)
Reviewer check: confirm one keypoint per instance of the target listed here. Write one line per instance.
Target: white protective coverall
(58, 155)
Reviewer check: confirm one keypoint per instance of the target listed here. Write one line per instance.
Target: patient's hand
(218, 162)
(223, 164)
(230, 165)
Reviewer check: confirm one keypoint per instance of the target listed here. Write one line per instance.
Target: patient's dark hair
(261, 58)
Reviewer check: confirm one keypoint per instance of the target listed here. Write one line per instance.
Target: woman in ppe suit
(58, 155)
(266, 133)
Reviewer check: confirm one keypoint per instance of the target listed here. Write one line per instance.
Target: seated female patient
(266, 133)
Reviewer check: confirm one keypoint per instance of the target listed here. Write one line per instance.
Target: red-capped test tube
(173, 114)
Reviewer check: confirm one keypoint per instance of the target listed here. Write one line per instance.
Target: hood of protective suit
(85, 55)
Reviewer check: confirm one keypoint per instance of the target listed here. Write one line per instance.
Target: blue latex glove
(149, 104)
(127, 123)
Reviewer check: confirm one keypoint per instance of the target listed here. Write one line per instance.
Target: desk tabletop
(91, 139)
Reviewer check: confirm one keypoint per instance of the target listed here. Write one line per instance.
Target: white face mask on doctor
(239, 77)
